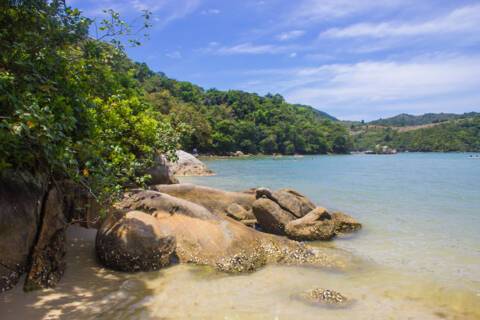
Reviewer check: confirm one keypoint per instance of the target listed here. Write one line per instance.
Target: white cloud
(320, 10)
(247, 48)
(174, 55)
(465, 19)
(289, 35)
(292, 55)
(210, 12)
(419, 85)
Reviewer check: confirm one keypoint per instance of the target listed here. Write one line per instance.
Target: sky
(356, 60)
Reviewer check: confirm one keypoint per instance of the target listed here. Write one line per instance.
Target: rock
(316, 225)
(80, 207)
(47, 261)
(215, 200)
(150, 201)
(250, 223)
(216, 240)
(345, 223)
(263, 193)
(188, 165)
(238, 153)
(239, 213)
(326, 297)
(134, 242)
(21, 198)
(289, 200)
(161, 172)
(270, 216)
(293, 202)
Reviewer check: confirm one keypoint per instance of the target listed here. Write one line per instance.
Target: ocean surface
(417, 256)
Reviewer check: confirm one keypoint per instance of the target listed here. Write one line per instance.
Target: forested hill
(404, 119)
(220, 122)
(453, 135)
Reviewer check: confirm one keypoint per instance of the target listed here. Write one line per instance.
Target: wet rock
(21, 198)
(47, 260)
(345, 223)
(293, 202)
(134, 242)
(215, 200)
(188, 165)
(270, 216)
(316, 225)
(326, 297)
(239, 213)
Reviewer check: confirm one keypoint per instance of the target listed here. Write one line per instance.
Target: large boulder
(270, 216)
(345, 223)
(293, 202)
(316, 225)
(21, 198)
(288, 199)
(211, 239)
(161, 172)
(47, 260)
(215, 200)
(134, 242)
(188, 165)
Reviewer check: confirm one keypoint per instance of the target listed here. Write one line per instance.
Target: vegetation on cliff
(71, 106)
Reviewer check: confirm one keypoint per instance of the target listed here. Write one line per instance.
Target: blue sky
(356, 60)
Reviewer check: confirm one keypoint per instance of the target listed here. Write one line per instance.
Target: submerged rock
(134, 242)
(316, 225)
(345, 223)
(326, 297)
(270, 216)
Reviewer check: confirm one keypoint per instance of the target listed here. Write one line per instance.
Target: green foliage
(70, 104)
(226, 121)
(404, 119)
(454, 135)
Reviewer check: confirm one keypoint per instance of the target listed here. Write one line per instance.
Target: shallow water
(419, 251)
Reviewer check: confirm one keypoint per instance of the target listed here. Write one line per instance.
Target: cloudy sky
(356, 60)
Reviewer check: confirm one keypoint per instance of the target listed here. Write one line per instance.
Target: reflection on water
(418, 256)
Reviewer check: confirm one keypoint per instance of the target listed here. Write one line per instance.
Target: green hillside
(404, 119)
(453, 135)
(221, 122)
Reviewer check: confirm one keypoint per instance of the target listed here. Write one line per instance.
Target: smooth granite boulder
(270, 216)
(134, 242)
(316, 225)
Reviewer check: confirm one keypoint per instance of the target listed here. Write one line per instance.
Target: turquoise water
(421, 211)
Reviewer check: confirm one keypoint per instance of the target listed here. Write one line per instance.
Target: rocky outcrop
(161, 172)
(316, 225)
(134, 242)
(215, 200)
(239, 213)
(21, 199)
(345, 223)
(289, 200)
(47, 260)
(206, 238)
(270, 216)
(188, 165)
